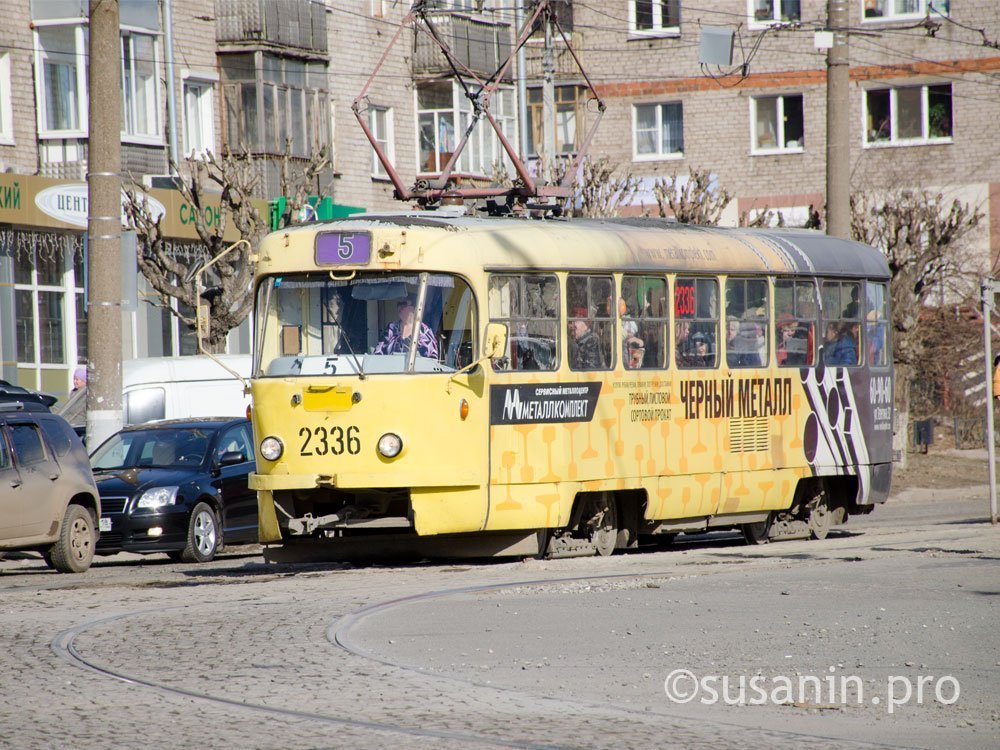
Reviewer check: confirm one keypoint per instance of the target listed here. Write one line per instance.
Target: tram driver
(397, 335)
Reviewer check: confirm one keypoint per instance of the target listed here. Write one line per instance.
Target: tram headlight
(390, 444)
(271, 448)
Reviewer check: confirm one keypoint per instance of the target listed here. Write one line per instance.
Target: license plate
(105, 524)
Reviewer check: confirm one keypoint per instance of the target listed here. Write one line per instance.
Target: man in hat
(397, 335)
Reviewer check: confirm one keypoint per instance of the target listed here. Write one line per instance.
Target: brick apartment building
(924, 110)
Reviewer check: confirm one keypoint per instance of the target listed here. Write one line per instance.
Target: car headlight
(390, 444)
(271, 448)
(157, 497)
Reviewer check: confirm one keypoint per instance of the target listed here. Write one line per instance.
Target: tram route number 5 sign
(340, 248)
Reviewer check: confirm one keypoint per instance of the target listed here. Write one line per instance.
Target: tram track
(343, 634)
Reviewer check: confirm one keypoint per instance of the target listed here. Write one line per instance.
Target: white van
(180, 387)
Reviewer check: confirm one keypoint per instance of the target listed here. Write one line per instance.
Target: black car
(177, 486)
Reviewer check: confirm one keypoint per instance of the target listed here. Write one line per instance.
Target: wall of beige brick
(16, 41)
(629, 71)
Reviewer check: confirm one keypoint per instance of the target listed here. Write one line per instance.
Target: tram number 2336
(335, 441)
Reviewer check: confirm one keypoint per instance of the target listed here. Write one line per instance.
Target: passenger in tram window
(793, 343)
(584, 345)
(635, 353)
(396, 338)
(852, 308)
(743, 350)
(844, 349)
(701, 352)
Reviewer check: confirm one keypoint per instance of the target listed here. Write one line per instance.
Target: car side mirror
(231, 457)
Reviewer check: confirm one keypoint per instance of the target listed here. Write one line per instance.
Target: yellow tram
(521, 386)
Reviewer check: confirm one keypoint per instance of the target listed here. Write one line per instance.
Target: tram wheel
(820, 520)
(757, 533)
(599, 521)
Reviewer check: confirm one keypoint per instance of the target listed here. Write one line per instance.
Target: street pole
(548, 100)
(838, 146)
(104, 183)
(989, 302)
(522, 85)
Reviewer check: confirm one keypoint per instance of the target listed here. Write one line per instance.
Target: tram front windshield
(313, 323)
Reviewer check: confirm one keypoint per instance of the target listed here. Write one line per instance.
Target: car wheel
(202, 536)
(75, 548)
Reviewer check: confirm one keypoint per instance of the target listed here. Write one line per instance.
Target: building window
(141, 110)
(49, 312)
(776, 123)
(61, 80)
(774, 11)
(893, 10)
(654, 17)
(380, 121)
(658, 130)
(6, 109)
(908, 115)
(272, 102)
(569, 107)
(199, 117)
(444, 113)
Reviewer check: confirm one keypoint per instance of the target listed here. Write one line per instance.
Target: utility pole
(522, 84)
(104, 225)
(548, 99)
(838, 144)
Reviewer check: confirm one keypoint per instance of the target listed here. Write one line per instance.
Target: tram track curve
(341, 633)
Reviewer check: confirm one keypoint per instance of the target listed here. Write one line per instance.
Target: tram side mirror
(495, 343)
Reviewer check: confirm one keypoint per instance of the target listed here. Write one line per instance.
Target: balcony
(285, 23)
(565, 66)
(481, 45)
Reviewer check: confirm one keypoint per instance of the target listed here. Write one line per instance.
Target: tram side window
(644, 326)
(842, 323)
(528, 304)
(746, 322)
(591, 306)
(696, 321)
(877, 324)
(795, 323)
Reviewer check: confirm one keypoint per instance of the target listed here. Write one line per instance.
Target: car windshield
(313, 324)
(136, 449)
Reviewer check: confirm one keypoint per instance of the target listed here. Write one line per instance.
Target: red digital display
(684, 299)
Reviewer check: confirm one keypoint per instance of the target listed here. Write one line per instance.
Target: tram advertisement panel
(543, 403)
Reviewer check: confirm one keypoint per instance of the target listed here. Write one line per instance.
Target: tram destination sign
(543, 402)
(343, 248)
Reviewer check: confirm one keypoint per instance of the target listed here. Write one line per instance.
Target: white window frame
(775, 19)
(385, 140)
(937, 7)
(70, 288)
(483, 147)
(658, 155)
(206, 103)
(6, 108)
(129, 101)
(658, 30)
(80, 64)
(894, 141)
(780, 146)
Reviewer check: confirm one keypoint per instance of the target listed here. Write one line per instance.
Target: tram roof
(636, 243)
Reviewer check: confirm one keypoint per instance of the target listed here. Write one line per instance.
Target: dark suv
(48, 500)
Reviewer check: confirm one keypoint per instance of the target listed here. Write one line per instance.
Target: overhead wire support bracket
(479, 94)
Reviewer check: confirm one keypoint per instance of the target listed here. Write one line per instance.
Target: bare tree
(232, 182)
(698, 199)
(601, 188)
(924, 237)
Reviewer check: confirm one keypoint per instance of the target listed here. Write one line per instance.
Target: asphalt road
(824, 636)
